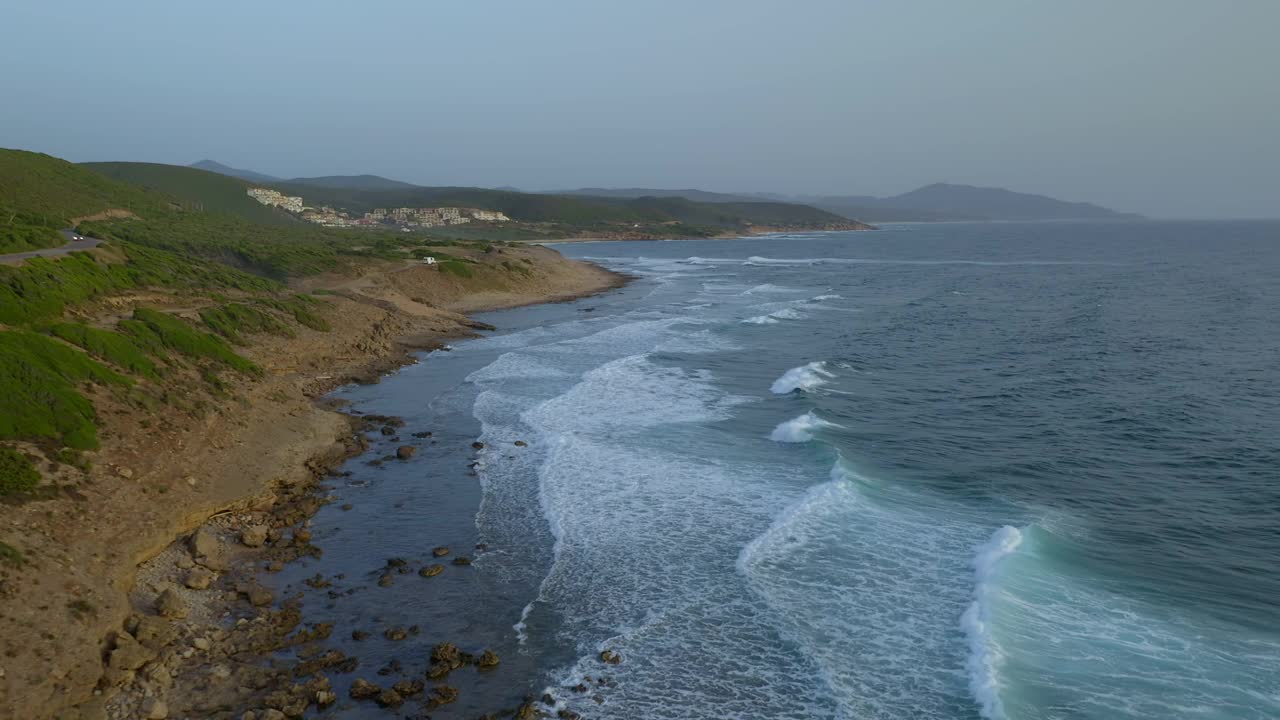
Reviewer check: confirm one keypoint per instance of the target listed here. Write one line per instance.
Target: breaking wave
(805, 377)
(799, 429)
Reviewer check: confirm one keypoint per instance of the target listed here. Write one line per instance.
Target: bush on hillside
(17, 474)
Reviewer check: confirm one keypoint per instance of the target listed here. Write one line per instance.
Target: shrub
(17, 474)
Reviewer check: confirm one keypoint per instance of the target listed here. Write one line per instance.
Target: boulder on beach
(198, 578)
(253, 536)
(170, 604)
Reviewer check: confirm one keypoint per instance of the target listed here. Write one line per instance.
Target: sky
(1169, 108)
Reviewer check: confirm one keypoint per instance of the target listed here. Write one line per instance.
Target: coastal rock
(488, 659)
(301, 536)
(440, 551)
(325, 698)
(477, 445)
(257, 595)
(205, 542)
(462, 560)
(521, 443)
(154, 709)
(386, 580)
(409, 688)
(198, 578)
(431, 570)
(567, 714)
(170, 604)
(362, 689)
(388, 430)
(253, 536)
(423, 434)
(390, 698)
(610, 657)
(395, 634)
(444, 694)
(128, 654)
(404, 452)
(528, 711)
(153, 632)
(358, 635)
(447, 653)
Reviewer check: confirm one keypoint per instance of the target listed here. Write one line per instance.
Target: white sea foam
(984, 653)
(805, 377)
(761, 320)
(830, 296)
(799, 429)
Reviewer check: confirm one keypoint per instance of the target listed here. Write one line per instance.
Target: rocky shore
(138, 592)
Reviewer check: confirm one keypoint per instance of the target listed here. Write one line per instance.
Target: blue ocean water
(935, 471)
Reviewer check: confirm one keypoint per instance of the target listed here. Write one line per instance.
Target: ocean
(952, 471)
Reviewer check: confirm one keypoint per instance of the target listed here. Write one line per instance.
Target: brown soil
(71, 600)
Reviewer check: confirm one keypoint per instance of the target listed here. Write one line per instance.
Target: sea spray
(984, 654)
(805, 377)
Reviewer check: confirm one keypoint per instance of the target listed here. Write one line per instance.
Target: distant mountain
(999, 204)
(351, 182)
(690, 194)
(217, 167)
(945, 201)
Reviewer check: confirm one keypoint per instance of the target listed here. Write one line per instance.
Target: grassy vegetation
(233, 320)
(39, 395)
(17, 475)
(16, 236)
(151, 326)
(120, 350)
(301, 307)
(41, 288)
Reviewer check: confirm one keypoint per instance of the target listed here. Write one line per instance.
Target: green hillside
(41, 194)
(195, 189)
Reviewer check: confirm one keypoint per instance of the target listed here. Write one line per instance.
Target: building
(489, 216)
(292, 203)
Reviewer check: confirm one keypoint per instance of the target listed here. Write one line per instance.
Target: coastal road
(84, 243)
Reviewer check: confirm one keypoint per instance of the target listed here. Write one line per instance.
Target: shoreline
(254, 467)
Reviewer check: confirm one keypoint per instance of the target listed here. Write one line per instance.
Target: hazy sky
(1166, 107)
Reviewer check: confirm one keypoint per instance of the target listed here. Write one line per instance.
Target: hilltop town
(406, 217)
